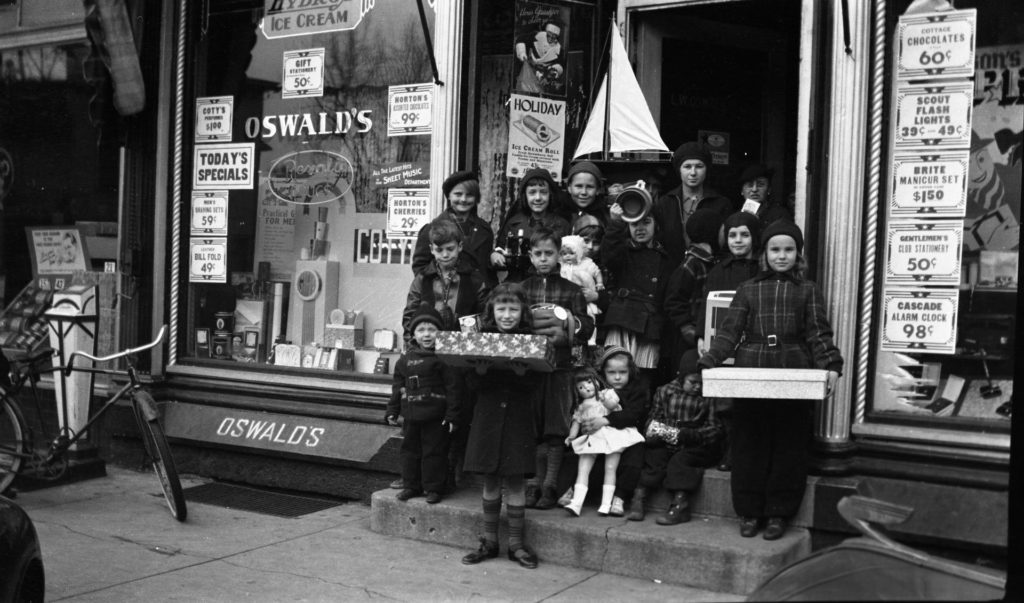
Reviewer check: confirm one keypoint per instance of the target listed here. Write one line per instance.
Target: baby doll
(580, 269)
(609, 441)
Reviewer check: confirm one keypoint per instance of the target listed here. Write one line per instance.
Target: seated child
(607, 440)
(683, 437)
(426, 393)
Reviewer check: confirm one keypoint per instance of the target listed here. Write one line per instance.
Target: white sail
(630, 127)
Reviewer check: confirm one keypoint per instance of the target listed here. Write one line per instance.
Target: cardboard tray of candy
(504, 351)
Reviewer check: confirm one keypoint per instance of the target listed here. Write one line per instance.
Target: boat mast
(606, 136)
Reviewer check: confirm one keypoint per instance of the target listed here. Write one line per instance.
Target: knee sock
(516, 524)
(492, 509)
(556, 452)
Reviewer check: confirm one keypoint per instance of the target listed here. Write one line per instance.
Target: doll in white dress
(593, 402)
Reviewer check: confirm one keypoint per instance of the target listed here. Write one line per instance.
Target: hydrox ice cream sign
(286, 18)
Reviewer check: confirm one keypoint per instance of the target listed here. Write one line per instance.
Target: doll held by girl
(592, 402)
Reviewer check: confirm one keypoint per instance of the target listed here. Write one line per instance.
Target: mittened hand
(689, 333)
(391, 419)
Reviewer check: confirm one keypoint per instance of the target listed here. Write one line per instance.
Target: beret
(457, 178)
(690, 150)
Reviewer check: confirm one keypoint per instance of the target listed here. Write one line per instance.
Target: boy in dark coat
(450, 284)
(552, 298)
(426, 393)
(462, 191)
(686, 284)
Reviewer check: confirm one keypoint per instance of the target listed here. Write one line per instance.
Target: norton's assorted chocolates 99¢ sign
(933, 102)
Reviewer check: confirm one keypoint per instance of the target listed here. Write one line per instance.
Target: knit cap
(703, 226)
(587, 167)
(743, 218)
(543, 174)
(783, 227)
(612, 350)
(426, 313)
(690, 150)
(455, 179)
(688, 363)
(582, 221)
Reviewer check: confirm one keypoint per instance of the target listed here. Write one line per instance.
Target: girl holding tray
(502, 438)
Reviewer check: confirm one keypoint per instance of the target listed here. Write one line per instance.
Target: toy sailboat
(620, 120)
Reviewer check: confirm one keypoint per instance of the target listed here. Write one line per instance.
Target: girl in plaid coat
(776, 320)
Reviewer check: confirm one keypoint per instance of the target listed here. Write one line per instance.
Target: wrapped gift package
(726, 382)
(517, 352)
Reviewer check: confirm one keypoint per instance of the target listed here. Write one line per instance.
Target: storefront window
(304, 127)
(950, 245)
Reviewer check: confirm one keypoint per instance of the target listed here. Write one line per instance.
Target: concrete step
(706, 553)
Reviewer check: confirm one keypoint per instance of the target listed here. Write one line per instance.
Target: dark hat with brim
(758, 170)
(455, 179)
(542, 174)
(690, 150)
(612, 350)
(783, 227)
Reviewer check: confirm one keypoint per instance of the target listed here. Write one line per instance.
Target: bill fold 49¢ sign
(208, 260)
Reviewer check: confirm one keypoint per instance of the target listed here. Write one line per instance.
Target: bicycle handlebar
(122, 354)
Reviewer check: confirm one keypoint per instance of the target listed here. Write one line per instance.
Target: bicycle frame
(64, 440)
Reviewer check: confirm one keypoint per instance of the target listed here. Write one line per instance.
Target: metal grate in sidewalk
(256, 500)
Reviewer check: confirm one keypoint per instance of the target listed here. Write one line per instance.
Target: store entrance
(727, 74)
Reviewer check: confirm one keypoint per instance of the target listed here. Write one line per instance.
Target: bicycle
(18, 449)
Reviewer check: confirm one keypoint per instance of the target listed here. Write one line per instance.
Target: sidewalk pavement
(113, 539)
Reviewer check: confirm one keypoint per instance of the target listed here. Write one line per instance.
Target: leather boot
(636, 506)
(578, 494)
(607, 494)
(678, 511)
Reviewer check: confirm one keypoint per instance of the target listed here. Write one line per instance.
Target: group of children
(584, 276)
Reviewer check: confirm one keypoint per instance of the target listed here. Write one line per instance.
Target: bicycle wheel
(12, 441)
(156, 446)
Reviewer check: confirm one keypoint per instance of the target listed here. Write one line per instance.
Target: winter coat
(724, 276)
(433, 390)
(776, 307)
(686, 286)
(640, 274)
(668, 213)
(470, 294)
(477, 245)
(502, 435)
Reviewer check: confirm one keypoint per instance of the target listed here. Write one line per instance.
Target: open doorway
(726, 73)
